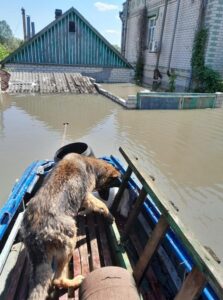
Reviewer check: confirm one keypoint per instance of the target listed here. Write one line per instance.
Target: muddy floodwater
(183, 150)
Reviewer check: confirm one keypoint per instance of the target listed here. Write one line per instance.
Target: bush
(205, 79)
(172, 82)
(3, 52)
(210, 81)
(139, 70)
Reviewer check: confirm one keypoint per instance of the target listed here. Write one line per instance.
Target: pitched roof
(54, 44)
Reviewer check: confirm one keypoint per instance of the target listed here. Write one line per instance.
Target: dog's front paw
(58, 283)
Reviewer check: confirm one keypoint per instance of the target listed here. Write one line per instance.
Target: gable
(69, 40)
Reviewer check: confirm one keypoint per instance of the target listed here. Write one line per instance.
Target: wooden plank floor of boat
(91, 252)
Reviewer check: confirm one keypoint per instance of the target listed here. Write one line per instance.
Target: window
(71, 26)
(151, 34)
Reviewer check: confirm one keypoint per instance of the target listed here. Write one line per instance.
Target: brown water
(183, 150)
(123, 90)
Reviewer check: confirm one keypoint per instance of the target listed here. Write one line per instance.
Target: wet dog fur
(49, 227)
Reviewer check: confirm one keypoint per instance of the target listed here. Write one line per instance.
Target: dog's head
(107, 176)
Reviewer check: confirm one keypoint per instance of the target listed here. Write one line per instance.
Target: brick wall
(108, 75)
(186, 28)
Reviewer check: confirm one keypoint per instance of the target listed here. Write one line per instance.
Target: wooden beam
(192, 286)
(122, 187)
(134, 213)
(201, 257)
(150, 248)
(12, 272)
(120, 255)
(150, 275)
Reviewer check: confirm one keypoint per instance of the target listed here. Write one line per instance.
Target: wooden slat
(150, 248)
(163, 256)
(30, 82)
(192, 286)
(77, 267)
(117, 248)
(122, 187)
(201, 257)
(106, 255)
(157, 292)
(94, 257)
(70, 82)
(23, 288)
(80, 256)
(14, 275)
(134, 213)
(77, 262)
(82, 245)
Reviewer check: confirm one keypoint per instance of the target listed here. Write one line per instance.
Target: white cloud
(105, 6)
(112, 31)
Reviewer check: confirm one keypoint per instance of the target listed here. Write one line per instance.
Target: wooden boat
(167, 262)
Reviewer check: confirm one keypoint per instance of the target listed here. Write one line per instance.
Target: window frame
(71, 27)
(151, 33)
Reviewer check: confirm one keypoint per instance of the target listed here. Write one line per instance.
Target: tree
(3, 52)
(117, 47)
(5, 32)
(8, 43)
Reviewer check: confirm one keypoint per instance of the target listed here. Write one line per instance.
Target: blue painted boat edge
(153, 213)
(15, 198)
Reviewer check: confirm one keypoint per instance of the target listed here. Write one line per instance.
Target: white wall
(184, 38)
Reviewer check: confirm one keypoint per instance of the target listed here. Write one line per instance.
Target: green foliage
(3, 52)
(198, 52)
(172, 82)
(14, 43)
(117, 47)
(206, 80)
(5, 32)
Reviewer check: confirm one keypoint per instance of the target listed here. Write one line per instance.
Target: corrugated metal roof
(68, 40)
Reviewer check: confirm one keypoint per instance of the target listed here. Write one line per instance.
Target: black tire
(80, 148)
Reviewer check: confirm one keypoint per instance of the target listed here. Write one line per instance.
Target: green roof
(68, 40)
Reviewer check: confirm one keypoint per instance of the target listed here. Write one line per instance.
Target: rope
(64, 133)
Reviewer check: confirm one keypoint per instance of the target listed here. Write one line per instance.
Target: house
(168, 36)
(71, 44)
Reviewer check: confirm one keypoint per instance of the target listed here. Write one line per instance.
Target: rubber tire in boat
(78, 147)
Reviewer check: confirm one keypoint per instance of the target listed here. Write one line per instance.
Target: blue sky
(103, 15)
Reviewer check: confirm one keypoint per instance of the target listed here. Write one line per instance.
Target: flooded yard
(122, 90)
(183, 150)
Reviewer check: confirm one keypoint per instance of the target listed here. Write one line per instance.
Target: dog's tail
(40, 281)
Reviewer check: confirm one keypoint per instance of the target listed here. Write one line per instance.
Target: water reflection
(78, 111)
(122, 90)
(181, 149)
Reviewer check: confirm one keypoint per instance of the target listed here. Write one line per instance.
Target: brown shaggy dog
(49, 227)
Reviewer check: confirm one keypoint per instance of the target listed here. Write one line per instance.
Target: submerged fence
(157, 100)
